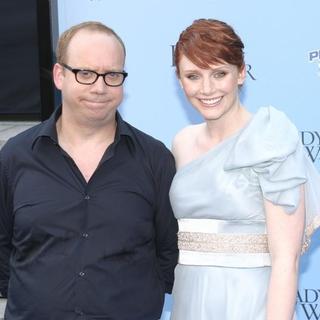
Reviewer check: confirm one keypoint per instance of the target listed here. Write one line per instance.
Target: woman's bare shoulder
(185, 139)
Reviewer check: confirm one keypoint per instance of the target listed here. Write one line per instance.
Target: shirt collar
(122, 127)
(49, 130)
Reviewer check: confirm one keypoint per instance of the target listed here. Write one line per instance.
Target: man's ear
(58, 75)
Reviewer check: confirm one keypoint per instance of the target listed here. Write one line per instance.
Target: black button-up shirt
(69, 249)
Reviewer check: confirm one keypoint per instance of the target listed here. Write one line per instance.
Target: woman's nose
(207, 86)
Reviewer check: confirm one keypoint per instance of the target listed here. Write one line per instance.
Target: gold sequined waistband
(223, 243)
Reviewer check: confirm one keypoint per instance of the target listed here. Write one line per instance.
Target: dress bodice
(228, 184)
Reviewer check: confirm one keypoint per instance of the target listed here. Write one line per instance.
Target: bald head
(89, 26)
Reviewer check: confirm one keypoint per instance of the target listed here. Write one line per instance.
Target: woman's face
(214, 91)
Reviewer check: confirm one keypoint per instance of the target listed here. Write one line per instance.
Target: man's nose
(100, 85)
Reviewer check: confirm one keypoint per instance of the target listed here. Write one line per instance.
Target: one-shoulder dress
(224, 262)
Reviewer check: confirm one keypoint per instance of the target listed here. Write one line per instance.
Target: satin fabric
(264, 160)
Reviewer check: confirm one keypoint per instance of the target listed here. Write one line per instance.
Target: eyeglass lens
(110, 78)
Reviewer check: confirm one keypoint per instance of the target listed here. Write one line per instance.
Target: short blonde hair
(67, 35)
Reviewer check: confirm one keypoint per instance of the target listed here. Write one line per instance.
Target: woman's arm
(285, 234)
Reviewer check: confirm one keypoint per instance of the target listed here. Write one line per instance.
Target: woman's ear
(180, 82)
(242, 75)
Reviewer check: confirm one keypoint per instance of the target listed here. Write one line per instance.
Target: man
(84, 215)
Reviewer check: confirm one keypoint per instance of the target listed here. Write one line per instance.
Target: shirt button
(87, 197)
(85, 235)
(78, 311)
(81, 274)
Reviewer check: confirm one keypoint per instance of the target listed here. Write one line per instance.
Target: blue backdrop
(282, 50)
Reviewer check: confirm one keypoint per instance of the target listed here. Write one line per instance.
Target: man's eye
(86, 74)
(113, 75)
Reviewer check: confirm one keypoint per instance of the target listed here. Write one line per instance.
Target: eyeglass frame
(103, 75)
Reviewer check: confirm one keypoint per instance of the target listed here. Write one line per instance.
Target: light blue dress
(224, 264)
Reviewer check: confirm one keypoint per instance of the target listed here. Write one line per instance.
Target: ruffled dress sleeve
(270, 145)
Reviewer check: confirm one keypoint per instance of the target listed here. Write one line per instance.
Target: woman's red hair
(207, 42)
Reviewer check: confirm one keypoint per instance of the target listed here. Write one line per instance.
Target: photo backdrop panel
(282, 52)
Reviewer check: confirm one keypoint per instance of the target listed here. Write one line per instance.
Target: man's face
(95, 103)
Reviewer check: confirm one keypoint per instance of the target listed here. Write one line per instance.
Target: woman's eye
(192, 76)
(219, 74)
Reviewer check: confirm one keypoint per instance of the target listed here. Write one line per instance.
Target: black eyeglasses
(87, 77)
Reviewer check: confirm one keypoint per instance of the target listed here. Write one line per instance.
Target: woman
(244, 192)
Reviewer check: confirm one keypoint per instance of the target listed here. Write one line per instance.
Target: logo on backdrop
(314, 57)
(249, 66)
(308, 301)
(311, 142)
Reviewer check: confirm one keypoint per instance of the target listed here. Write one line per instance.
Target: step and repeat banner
(282, 52)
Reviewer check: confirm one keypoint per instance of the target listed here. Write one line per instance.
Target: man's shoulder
(153, 152)
(145, 140)
(21, 140)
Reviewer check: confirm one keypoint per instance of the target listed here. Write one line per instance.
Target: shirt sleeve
(6, 223)
(165, 223)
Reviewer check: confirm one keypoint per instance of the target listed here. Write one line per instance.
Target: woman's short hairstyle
(207, 42)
